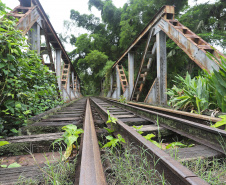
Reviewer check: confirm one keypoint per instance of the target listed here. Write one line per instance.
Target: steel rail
(173, 171)
(206, 135)
(195, 117)
(91, 167)
(191, 116)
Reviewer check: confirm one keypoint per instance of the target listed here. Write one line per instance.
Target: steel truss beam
(31, 15)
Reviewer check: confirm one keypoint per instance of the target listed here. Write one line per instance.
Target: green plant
(57, 173)
(113, 142)
(174, 144)
(138, 129)
(131, 166)
(13, 165)
(217, 81)
(122, 99)
(211, 170)
(112, 120)
(191, 94)
(2, 143)
(149, 138)
(109, 130)
(220, 123)
(70, 136)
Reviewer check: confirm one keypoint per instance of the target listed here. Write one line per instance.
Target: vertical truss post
(118, 89)
(35, 38)
(68, 84)
(65, 80)
(112, 81)
(75, 87)
(49, 50)
(111, 87)
(131, 72)
(72, 85)
(161, 68)
(73, 79)
(58, 67)
(78, 85)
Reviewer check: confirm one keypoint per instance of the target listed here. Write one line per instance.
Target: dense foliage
(207, 91)
(27, 87)
(190, 94)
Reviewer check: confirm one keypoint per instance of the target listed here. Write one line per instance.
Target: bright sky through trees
(59, 11)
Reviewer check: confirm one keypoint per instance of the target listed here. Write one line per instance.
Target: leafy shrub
(122, 99)
(70, 136)
(220, 123)
(217, 82)
(27, 87)
(191, 94)
(202, 91)
(114, 141)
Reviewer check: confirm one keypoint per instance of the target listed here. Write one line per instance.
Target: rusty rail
(173, 171)
(91, 168)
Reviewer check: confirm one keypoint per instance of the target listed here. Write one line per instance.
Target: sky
(59, 10)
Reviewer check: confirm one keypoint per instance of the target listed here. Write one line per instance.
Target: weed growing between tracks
(212, 171)
(130, 166)
(58, 173)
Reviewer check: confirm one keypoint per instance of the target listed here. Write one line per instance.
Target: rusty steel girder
(35, 13)
(195, 47)
(27, 20)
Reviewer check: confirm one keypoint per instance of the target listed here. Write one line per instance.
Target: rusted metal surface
(36, 13)
(161, 68)
(27, 20)
(194, 46)
(31, 15)
(152, 94)
(91, 168)
(122, 77)
(65, 76)
(178, 113)
(173, 171)
(163, 11)
(142, 77)
(203, 134)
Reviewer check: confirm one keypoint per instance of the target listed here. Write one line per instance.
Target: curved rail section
(91, 167)
(197, 131)
(173, 171)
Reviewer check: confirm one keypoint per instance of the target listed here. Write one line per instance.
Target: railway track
(91, 115)
(195, 127)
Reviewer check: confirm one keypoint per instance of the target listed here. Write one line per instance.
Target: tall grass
(130, 166)
(212, 171)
